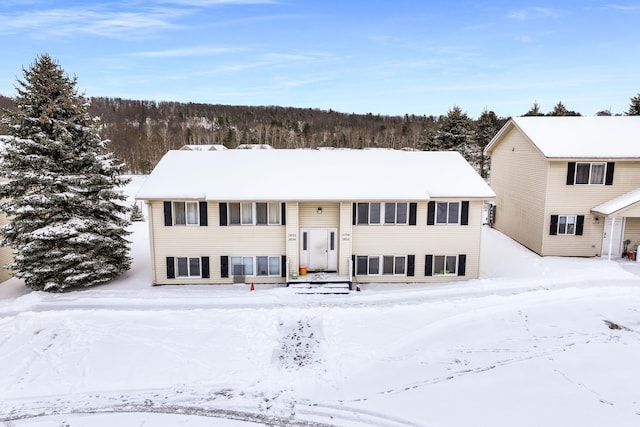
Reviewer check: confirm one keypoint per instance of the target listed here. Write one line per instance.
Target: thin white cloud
(534, 13)
(91, 20)
(188, 52)
(624, 7)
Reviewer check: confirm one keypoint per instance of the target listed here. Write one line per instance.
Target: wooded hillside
(141, 132)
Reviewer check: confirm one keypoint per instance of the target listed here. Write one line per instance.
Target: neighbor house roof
(567, 137)
(303, 174)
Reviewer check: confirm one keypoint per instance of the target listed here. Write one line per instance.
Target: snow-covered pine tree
(634, 107)
(67, 217)
(455, 133)
(136, 213)
(487, 127)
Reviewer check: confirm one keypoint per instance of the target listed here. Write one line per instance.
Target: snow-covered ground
(534, 342)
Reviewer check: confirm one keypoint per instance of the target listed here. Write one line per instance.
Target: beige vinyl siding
(420, 240)
(329, 218)
(248, 240)
(345, 235)
(632, 232)
(293, 237)
(519, 179)
(565, 199)
(212, 241)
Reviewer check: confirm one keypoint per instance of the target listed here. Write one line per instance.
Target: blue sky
(383, 57)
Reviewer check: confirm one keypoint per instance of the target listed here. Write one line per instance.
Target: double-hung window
(242, 265)
(258, 265)
(268, 266)
(188, 267)
(447, 212)
(377, 213)
(445, 264)
(185, 213)
(566, 224)
(376, 265)
(395, 213)
(247, 213)
(368, 213)
(590, 173)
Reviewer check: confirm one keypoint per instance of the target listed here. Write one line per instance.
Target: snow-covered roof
(567, 137)
(621, 202)
(299, 175)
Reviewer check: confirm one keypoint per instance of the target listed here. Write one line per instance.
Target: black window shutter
(224, 266)
(411, 262)
(223, 214)
(462, 265)
(171, 274)
(608, 180)
(428, 265)
(571, 173)
(354, 214)
(204, 221)
(353, 265)
(464, 213)
(413, 208)
(431, 213)
(168, 220)
(283, 268)
(205, 267)
(283, 214)
(553, 228)
(579, 225)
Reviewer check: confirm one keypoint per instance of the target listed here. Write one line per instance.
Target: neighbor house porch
(621, 231)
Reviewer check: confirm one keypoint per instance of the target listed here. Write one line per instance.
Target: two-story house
(568, 186)
(267, 215)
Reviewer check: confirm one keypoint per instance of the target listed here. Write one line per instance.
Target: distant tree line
(141, 132)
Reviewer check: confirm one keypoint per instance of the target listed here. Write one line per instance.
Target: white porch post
(287, 272)
(613, 221)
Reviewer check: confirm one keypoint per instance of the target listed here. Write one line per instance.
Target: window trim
(276, 207)
(380, 259)
(174, 216)
(445, 271)
(589, 176)
(447, 219)
(254, 265)
(566, 223)
(381, 213)
(189, 275)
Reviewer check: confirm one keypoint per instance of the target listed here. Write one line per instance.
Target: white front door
(318, 249)
(612, 237)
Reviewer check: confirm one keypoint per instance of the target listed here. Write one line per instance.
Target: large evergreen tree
(455, 133)
(634, 107)
(454, 130)
(487, 127)
(67, 217)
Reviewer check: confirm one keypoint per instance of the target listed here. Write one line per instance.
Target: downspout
(613, 221)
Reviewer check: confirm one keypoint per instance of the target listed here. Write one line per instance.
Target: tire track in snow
(304, 413)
